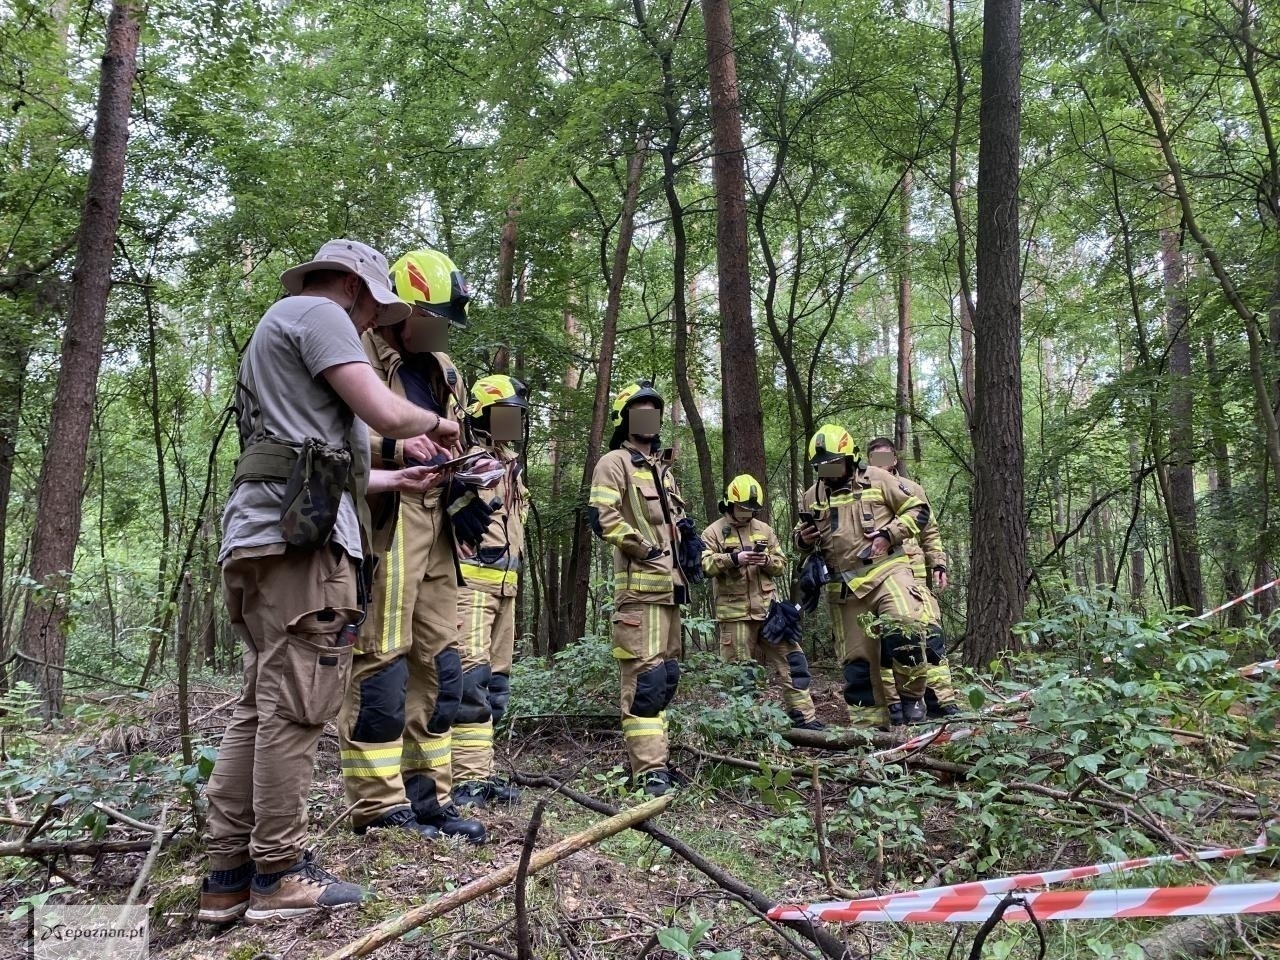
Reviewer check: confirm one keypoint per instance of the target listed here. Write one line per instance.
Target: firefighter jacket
(449, 390)
(925, 551)
(495, 567)
(741, 592)
(870, 502)
(634, 506)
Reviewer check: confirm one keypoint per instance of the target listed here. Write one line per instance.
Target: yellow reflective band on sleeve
(431, 754)
(918, 571)
(841, 499)
(505, 578)
(642, 727)
(908, 521)
(604, 495)
(379, 762)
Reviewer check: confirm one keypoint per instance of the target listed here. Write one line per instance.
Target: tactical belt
(265, 461)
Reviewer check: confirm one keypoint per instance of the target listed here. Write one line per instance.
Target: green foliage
(686, 943)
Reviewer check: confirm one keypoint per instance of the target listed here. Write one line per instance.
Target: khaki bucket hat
(352, 256)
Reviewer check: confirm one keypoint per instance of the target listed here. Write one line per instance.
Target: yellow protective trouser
(939, 687)
(740, 642)
(486, 638)
(394, 744)
(646, 644)
(288, 609)
(891, 619)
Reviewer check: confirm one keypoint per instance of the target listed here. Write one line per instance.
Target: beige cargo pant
(646, 644)
(894, 610)
(389, 756)
(486, 639)
(289, 609)
(740, 643)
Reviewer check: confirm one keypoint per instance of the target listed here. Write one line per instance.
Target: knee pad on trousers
(935, 645)
(381, 717)
(499, 695)
(474, 707)
(421, 793)
(857, 684)
(900, 649)
(449, 697)
(672, 668)
(651, 692)
(798, 666)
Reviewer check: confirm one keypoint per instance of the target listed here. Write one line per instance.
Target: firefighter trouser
(288, 609)
(740, 643)
(395, 736)
(888, 624)
(486, 638)
(646, 644)
(939, 687)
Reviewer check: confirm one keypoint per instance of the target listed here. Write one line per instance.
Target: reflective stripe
(642, 582)
(472, 638)
(472, 736)
(642, 727)
(392, 595)
(605, 495)
(492, 575)
(854, 583)
(431, 754)
(379, 762)
(909, 521)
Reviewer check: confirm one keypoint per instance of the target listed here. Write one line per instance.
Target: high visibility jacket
(634, 506)
(925, 552)
(450, 391)
(495, 566)
(872, 500)
(741, 592)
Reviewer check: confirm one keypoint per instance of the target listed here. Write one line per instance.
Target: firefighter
(928, 559)
(742, 557)
(636, 508)
(857, 517)
(487, 597)
(395, 726)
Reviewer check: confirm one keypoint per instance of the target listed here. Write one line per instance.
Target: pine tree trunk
(504, 283)
(998, 582)
(740, 383)
(57, 525)
(578, 577)
(1232, 579)
(902, 395)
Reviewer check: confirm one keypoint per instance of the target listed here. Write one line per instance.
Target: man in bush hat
(291, 546)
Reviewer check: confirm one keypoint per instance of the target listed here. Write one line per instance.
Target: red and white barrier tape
(1258, 669)
(1229, 899)
(918, 900)
(1230, 603)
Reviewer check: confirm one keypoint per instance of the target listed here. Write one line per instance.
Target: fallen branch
(39, 849)
(150, 862)
(524, 943)
(1202, 937)
(398, 926)
(124, 818)
(831, 948)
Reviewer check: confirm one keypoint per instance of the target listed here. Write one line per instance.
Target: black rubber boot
(401, 818)
(896, 718)
(913, 711)
(450, 822)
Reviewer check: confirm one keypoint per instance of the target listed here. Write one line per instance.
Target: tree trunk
(503, 285)
(1138, 555)
(13, 380)
(1232, 579)
(1185, 583)
(554, 601)
(998, 582)
(61, 475)
(740, 382)
(902, 395)
(578, 576)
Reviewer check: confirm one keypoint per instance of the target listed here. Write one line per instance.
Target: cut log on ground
(398, 926)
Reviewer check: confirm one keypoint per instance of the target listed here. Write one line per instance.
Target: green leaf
(977, 698)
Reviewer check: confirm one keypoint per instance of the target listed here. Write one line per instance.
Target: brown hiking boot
(299, 892)
(222, 902)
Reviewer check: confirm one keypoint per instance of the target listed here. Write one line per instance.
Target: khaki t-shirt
(297, 339)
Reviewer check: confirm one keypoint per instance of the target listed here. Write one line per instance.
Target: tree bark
(740, 382)
(61, 475)
(1232, 579)
(1185, 583)
(504, 283)
(902, 395)
(578, 576)
(998, 583)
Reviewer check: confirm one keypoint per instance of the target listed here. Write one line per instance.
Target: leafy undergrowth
(1133, 741)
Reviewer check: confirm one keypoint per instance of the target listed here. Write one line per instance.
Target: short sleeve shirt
(287, 396)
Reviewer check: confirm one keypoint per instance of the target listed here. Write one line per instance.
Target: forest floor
(890, 827)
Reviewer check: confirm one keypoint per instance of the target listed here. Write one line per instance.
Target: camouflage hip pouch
(313, 494)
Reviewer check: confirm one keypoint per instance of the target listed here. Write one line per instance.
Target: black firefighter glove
(813, 577)
(469, 513)
(689, 551)
(782, 623)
